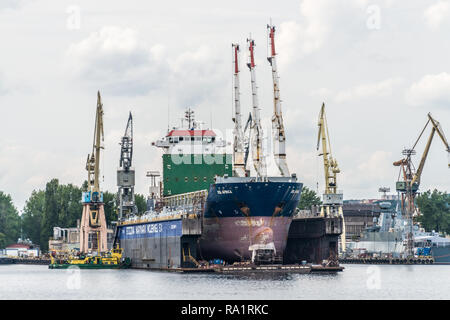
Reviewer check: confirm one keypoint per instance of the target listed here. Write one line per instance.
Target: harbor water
(356, 282)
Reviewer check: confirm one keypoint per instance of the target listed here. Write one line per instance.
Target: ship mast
(257, 133)
(238, 145)
(278, 133)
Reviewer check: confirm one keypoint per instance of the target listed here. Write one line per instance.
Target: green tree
(9, 221)
(69, 197)
(51, 212)
(435, 211)
(60, 206)
(32, 215)
(110, 206)
(308, 199)
(141, 203)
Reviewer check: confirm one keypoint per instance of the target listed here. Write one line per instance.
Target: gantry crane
(126, 174)
(278, 133)
(93, 221)
(259, 160)
(332, 199)
(409, 185)
(239, 143)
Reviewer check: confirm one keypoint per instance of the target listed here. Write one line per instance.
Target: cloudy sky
(380, 66)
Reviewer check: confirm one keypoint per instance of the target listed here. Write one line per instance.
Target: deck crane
(93, 221)
(409, 185)
(278, 133)
(259, 160)
(247, 138)
(126, 174)
(332, 199)
(238, 145)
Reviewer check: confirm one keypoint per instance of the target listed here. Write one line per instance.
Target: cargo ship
(208, 205)
(202, 211)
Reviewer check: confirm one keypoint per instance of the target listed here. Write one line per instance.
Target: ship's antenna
(168, 109)
(210, 116)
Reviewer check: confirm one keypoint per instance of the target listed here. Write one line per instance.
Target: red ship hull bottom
(229, 238)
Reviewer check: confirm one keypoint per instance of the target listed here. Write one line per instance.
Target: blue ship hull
(441, 255)
(256, 199)
(240, 213)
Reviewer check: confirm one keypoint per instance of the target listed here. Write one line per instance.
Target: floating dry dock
(248, 269)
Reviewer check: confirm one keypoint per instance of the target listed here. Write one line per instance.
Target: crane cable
(423, 130)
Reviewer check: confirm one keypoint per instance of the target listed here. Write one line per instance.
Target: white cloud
(198, 75)
(325, 49)
(3, 89)
(11, 4)
(437, 13)
(366, 172)
(319, 20)
(381, 88)
(117, 60)
(432, 89)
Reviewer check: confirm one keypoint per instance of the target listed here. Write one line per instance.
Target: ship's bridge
(182, 140)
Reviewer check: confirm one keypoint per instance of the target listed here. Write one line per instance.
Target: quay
(24, 261)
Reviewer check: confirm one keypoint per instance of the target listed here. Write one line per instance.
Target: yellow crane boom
(332, 201)
(331, 167)
(93, 160)
(435, 129)
(411, 179)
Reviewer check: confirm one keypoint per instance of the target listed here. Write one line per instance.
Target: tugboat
(110, 260)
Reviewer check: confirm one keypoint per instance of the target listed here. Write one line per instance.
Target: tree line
(58, 205)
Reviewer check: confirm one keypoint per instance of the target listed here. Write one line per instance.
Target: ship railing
(162, 216)
(441, 244)
(184, 199)
(301, 214)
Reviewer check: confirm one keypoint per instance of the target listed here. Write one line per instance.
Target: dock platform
(232, 269)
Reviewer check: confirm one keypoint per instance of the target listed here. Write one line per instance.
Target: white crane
(238, 145)
(278, 134)
(259, 161)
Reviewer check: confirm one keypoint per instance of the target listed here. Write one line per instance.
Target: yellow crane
(409, 186)
(93, 221)
(332, 200)
(330, 165)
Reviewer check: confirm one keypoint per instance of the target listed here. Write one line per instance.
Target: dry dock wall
(312, 240)
(160, 244)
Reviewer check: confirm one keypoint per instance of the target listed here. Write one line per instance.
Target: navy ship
(389, 236)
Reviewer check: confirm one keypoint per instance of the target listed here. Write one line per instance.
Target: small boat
(110, 260)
